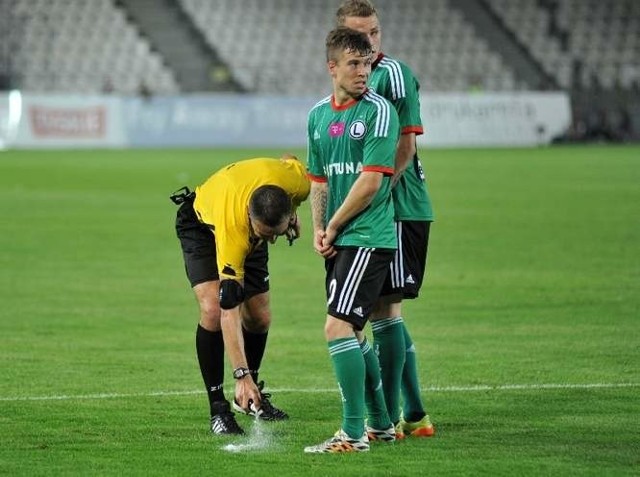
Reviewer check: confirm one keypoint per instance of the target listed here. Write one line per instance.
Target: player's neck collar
(348, 104)
(377, 60)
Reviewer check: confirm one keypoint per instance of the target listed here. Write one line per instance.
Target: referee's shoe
(224, 421)
(267, 412)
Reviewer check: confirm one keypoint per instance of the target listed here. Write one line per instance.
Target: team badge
(357, 130)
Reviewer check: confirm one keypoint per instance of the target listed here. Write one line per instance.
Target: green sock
(413, 409)
(373, 394)
(389, 342)
(348, 364)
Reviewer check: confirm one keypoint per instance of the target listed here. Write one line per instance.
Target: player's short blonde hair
(355, 8)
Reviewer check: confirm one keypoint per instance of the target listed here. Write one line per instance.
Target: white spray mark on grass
(260, 438)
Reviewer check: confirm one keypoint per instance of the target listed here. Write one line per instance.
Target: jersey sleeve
(297, 184)
(381, 139)
(406, 100)
(302, 192)
(315, 168)
(232, 245)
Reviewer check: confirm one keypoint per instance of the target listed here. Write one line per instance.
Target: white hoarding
(498, 119)
(210, 120)
(61, 121)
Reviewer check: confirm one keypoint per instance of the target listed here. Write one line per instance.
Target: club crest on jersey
(336, 129)
(357, 130)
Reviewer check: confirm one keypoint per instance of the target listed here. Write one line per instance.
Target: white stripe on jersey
(382, 120)
(395, 77)
(396, 267)
(321, 102)
(354, 277)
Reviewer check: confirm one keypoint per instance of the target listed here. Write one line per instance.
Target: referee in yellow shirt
(223, 228)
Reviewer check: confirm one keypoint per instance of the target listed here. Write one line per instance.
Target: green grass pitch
(528, 328)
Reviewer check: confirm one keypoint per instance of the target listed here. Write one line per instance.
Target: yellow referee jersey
(222, 202)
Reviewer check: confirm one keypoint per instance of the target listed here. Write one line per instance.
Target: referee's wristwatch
(240, 373)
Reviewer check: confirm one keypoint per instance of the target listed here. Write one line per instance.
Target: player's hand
(288, 155)
(327, 241)
(247, 393)
(323, 245)
(330, 235)
(293, 231)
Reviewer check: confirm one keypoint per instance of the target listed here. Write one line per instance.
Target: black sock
(210, 350)
(254, 345)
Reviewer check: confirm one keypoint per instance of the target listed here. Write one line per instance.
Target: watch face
(240, 372)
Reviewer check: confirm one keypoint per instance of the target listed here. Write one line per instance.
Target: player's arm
(293, 229)
(295, 225)
(231, 297)
(318, 200)
(319, 194)
(298, 190)
(359, 197)
(405, 153)
(231, 249)
(407, 106)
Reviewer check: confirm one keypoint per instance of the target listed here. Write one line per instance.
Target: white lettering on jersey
(342, 168)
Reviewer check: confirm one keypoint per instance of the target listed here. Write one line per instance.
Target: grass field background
(528, 328)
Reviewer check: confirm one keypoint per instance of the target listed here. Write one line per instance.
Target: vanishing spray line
(432, 389)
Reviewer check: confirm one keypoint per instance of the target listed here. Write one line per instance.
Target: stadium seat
(65, 43)
(257, 41)
(601, 35)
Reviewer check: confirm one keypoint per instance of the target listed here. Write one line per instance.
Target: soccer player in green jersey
(352, 138)
(395, 81)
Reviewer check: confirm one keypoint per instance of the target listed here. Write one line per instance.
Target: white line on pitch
(436, 389)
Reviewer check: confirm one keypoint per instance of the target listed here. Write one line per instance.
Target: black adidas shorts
(199, 251)
(353, 282)
(408, 267)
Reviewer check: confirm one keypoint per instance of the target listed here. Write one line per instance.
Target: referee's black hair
(343, 38)
(270, 204)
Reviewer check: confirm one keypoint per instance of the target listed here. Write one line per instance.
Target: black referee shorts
(199, 252)
(408, 268)
(353, 282)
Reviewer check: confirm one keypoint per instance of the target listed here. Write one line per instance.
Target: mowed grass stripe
(431, 389)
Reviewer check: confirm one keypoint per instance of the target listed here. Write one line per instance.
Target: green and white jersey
(395, 81)
(343, 141)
